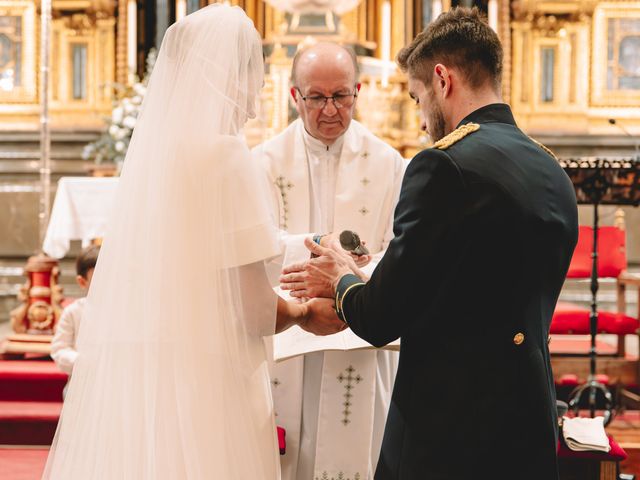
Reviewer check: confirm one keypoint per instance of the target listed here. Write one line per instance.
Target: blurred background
(572, 77)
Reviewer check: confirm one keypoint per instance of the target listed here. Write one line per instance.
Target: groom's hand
(332, 240)
(330, 264)
(321, 318)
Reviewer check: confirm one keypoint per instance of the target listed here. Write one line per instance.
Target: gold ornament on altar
(34, 321)
(314, 6)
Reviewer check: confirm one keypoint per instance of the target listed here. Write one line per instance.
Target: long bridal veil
(171, 379)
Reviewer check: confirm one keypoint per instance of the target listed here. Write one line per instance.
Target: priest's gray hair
(346, 48)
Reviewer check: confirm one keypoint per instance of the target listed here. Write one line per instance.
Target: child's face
(85, 282)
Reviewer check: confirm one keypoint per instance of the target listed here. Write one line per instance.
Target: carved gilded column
(399, 29)
(121, 43)
(162, 20)
(504, 32)
(255, 11)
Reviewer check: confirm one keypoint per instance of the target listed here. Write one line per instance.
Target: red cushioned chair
(573, 319)
(590, 465)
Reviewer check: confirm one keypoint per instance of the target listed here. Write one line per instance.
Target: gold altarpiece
(569, 64)
(384, 105)
(82, 66)
(575, 65)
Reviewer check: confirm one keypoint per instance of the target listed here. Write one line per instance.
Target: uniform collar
(492, 113)
(317, 147)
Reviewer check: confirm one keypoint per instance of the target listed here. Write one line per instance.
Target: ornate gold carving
(524, 9)
(608, 35)
(88, 23)
(40, 292)
(26, 91)
(40, 315)
(79, 24)
(457, 135)
(121, 43)
(40, 297)
(504, 32)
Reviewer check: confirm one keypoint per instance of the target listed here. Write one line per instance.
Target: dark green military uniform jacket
(484, 232)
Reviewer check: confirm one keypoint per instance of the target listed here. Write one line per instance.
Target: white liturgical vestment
(332, 401)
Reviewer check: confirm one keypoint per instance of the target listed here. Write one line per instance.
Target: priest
(328, 173)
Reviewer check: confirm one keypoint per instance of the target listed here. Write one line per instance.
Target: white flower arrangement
(111, 146)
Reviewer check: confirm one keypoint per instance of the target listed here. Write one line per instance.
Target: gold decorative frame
(601, 96)
(27, 92)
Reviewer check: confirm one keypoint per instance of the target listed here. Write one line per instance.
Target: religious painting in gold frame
(616, 55)
(17, 52)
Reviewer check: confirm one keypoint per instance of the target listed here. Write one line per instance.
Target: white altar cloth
(80, 212)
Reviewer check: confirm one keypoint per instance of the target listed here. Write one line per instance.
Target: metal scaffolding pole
(45, 134)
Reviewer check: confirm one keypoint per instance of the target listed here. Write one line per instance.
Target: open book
(296, 341)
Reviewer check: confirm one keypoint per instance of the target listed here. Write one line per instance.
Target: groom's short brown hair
(459, 38)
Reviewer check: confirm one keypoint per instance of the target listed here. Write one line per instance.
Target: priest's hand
(315, 277)
(320, 317)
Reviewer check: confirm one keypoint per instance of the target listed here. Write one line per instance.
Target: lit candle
(436, 9)
(386, 41)
(132, 53)
(493, 14)
(181, 9)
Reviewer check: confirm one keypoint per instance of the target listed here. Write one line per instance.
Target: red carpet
(30, 402)
(22, 463)
(28, 423)
(31, 380)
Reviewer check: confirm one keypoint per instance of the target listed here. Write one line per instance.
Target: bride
(171, 381)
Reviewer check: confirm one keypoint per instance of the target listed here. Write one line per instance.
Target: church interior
(73, 75)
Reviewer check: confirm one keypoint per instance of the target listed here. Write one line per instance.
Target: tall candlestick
(493, 14)
(181, 9)
(132, 41)
(386, 41)
(436, 9)
(45, 134)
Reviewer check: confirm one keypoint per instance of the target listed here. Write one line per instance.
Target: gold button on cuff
(518, 339)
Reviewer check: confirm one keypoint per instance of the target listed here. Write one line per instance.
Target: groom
(484, 232)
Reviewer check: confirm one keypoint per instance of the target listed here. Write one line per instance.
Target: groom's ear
(293, 94)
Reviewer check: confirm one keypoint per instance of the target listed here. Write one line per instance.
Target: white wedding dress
(171, 381)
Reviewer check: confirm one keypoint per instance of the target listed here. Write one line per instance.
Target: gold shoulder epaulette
(457, 135)
(546, 149)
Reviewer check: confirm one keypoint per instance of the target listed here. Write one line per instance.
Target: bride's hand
(320, 317)
(301, 284)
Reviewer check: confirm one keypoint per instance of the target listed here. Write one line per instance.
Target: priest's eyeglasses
(317, 102)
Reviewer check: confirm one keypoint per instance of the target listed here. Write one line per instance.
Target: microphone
(350, 241)
(613, 121)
